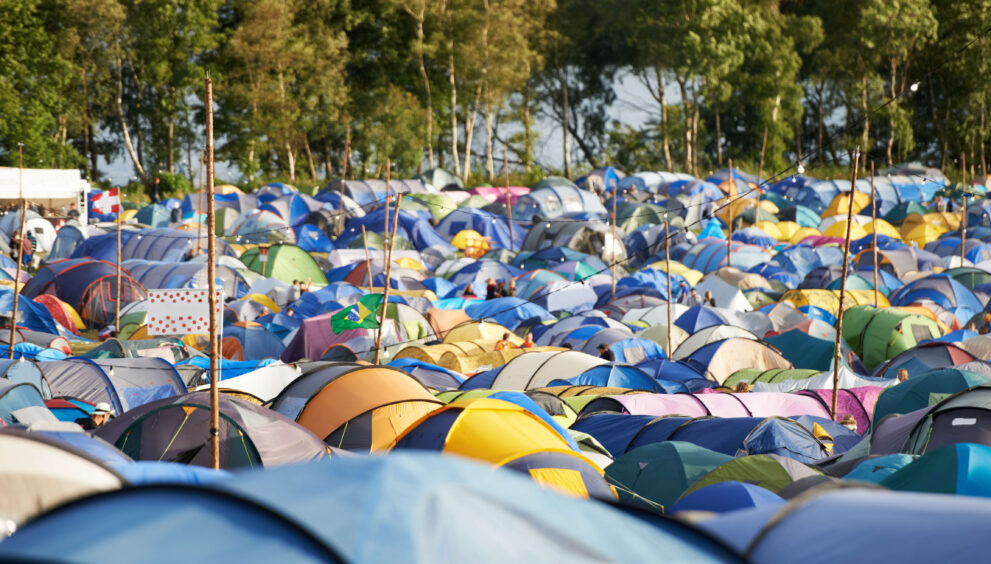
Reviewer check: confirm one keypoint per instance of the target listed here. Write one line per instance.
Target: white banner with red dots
(181, 312)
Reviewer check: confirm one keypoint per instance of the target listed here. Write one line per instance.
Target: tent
(960, 469)
(355, 407)
(658, 473)
(769, 471)
(286, 262)
(876, 335)
(723, 497)
(177, 429)
(553, 201)
(89, 286)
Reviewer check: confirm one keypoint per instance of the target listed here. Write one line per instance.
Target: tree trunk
(123, 126)
(565, 111)
(891, 114)
(470, 122)
(170, 142)
(865, 136)
(665, 140)
(454, 111)
(309, 157)
(688, 123)
(327, 166)
(291, 162)
(719, 138)
(489, 164)
(821, 119)
(984, 161)
(527, 129)
(426, 88)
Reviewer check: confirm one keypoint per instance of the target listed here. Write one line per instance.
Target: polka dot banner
(180, 312)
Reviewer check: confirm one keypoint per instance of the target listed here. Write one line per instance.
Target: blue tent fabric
(876, 469)
(257, 342)
(614, 375)
(636, 350)
(430, 375)
(727, 496)
(230, 368)
(487, 224)
(677, 371)
(699, 317)
(613, 430)
(311, 238)
(508, 312)
(143, 472)
(30, 314)
(478, 272)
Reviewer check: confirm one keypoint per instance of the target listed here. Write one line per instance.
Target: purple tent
(858, 402)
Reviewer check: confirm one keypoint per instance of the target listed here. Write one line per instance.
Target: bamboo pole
(388, 269)
(837, 353)
(612, 245)
(368, 258)
(667, 267)
(874, 225)
(509, 202)
(20, 248)
(963, 226)
(117, 301)
(211, 273)
(199, 208)
(732, 198)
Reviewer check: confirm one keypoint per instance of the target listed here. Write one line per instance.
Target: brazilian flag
(362, 315)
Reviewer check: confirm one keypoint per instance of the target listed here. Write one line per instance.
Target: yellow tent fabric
(409, 262)
(770, 228)
(128, 215)
(841, 203)
(228, 189)
(565, 481)
(883, 228)
(469, 238)
(787, 229)
(740, 205)
(691, 275)
(494, 430)
(480, 331)
(802, 233)
(838, 229)
(265, 301)
(829, 300)
(922, 233)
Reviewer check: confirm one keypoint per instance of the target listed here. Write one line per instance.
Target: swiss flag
(107, 202)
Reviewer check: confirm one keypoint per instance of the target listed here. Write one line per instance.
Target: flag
(107, 202)
(180, 312)
(361, 315)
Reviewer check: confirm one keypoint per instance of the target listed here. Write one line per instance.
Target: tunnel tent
(15, 396)
(658, 473)
(537, 369)
(285, 262)
(155, 275)
(877, 335)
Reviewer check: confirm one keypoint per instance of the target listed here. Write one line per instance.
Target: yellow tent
(264, 300)
(922, 233)
(802, 233)
(409, 262)
(469, 238)
(128, 215)
(770, 228)
(841, 203)
(740, 205)
(829, 300)
(838, 229)
(476, 331)
(691, 275)
(228, 189)
(787, 229)
(883, 228)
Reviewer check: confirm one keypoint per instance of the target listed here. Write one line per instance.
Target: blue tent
(66, 240)
(430, 375)
(154, 215)
(478, 272)
(311, 238)
(676, 371)
(699, 317)
(30, 314)
(509, 312)
(877, 468)
(144, 472)
(613, 375)
(636, 350)
(554, 201)
(802, 259)
(723, 497)
(257, 342)
(486, 223)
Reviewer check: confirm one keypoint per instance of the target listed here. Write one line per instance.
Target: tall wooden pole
(837, 353)
(612, 245)
(20, 248)
(963, 225)
(211, 273)
(199, 223)
(344, 172)
(732, 199)
(509, 201)
(667, 267)
(388, 267)
(874, 225)
(368, 258)
(117, 301)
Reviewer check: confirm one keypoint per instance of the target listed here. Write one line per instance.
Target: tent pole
(874, 228)
(667, 267)
(20, 248)
(732, 197)
(388, 263)
(612, 245)
(963, 225)
(509, 203)
(837, 354)
(344, 172)
(368, 259)
(117, 301)
(211, 273)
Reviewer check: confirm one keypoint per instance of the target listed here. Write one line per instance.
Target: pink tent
(757, 404)
(858, 402)
(498, 193)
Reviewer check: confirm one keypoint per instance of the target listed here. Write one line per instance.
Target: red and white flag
(107, 202)
(181, 312)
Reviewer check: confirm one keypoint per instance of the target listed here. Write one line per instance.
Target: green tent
(956, 469)
(286, 262)
(474, 202)
(969, 276)
(858, 282)
(877, 335)
(772, 376)
(438, 203)
(377, 241)
(224, 221)
(631, 215)
(902, 210)
(769, 471)
(658, 473)
(925, 390)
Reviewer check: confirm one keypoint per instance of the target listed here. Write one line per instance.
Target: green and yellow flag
(361, 315)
